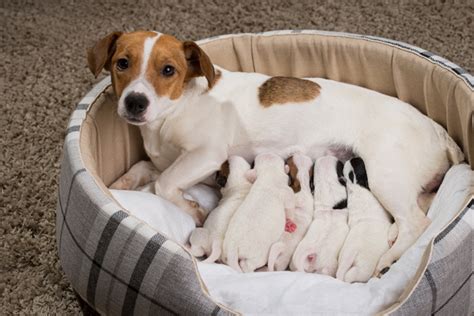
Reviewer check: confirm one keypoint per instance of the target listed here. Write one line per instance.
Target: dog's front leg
(190, 168)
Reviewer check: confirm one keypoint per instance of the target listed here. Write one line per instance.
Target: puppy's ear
(199, 63)
(99, 56)
(251, 175)
(358, 166)
(222, 174)
(287, 169)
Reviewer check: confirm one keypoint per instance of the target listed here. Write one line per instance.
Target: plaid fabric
(446, 287)
(119, 265)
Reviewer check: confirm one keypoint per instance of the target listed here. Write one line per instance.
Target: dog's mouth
(135, 120)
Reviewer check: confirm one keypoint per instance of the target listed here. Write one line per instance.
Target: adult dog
(193, 115)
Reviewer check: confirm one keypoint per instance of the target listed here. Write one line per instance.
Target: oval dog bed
(120, 265)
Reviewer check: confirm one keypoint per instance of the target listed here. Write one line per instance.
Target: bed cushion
(284, 293)
(120, 265)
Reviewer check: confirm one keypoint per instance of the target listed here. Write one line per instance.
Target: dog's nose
(136, 103)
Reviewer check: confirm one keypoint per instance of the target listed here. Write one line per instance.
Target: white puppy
(260, 220)
(319, 249)
(297, 222)
(208, 239)
(369, 226)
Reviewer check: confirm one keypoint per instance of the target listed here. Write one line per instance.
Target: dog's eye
(167, 71)
(122, 64)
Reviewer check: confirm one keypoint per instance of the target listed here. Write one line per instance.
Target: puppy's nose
(136, 103)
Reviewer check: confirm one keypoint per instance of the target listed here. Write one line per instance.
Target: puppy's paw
(392, 234)
(383, 266)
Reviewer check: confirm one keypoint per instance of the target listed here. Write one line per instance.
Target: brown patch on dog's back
(294, 182)
(280, 90)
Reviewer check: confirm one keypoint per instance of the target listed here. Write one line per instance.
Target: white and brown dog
(369, 227)
(301, 174)
(260, 220)
(208, 240)
(319, 250)
(194, 115)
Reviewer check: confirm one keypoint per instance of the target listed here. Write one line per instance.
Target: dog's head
(149, 70)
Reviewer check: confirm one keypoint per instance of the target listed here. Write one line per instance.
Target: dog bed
(120, 265)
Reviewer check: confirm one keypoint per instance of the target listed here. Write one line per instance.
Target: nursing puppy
(298, 221)
(208, 239)
(260, 220)
(369, 226)
(193, 115)
(319, 249)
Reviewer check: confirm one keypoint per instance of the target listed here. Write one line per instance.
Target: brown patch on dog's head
(223, 174)
(280, 90)
(294, 183)
(185, 59)
(167, 52)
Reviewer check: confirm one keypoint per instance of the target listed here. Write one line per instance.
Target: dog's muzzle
(136, 104)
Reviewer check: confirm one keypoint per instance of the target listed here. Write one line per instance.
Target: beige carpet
(44, 74)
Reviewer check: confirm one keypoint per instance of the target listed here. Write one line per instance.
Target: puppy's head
(233, 172)
(149, 70)
(329, 187)
(300, 172)
(355, 172)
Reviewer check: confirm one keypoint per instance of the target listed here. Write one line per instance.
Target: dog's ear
(287, 169)
(251, 175)
(199, 63)
(99, 55)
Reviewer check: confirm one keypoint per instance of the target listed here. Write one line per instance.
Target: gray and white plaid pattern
(119, 265)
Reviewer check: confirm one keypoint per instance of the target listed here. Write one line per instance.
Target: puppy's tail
(453, 151)
(275, 251)
(216, 250)
(346, 261)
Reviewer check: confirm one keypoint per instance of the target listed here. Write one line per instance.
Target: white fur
(208, 239)
(368, 238)
(260, 220)
(190, 138)
(282, 251)
(319, 249)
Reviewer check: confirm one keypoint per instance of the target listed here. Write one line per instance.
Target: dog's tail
(346, 261)
(275, 251)
(453, 151)
(216, 250)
